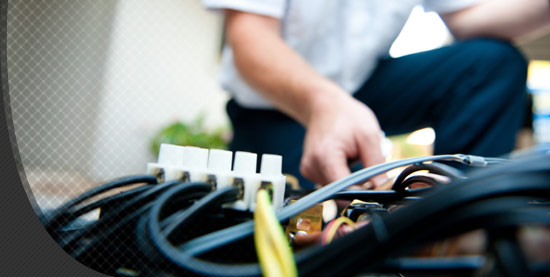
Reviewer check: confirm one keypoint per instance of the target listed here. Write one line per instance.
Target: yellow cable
(277, 237)
(273, 231)
(266, 221)
(266, 254)
(337, 223)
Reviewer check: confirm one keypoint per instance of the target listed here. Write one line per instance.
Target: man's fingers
(379, 180)
(335, 169)
(324, 168)
(370, 153)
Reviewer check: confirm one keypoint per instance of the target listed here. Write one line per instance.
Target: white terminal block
(219, 168)
(170, 161)
(245, 178)
(194, 164)
(170, 154)
(272, 179)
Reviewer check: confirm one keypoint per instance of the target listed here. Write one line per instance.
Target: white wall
(91, 81)
(161, 66)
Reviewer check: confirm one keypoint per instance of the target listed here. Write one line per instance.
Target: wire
(271, 243)
(153, 261)
(333, 227)
(381, 196)
(266, 255)
(213, 199)
(429, 266)
(180, 259)
(479, 201)
(148, 179)
(497, 160)
(187, 197)
(416, 179)
(101, 226)
(398, 228)
(216, 239)
(136, 207)
(509, 258)
(461, 191)
(308, 260)
(73, 214)
(436, 168)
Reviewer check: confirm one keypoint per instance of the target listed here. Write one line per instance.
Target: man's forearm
(267, 63)
(504, 19)
(338, 127)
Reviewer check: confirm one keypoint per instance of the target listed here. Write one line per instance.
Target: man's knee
(500, 58)
(500, 67)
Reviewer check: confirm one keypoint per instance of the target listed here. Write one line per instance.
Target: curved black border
(27, 249)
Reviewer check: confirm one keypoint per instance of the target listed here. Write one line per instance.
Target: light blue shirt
(341, 39)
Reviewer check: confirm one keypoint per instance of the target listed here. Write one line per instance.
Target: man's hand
(340, 129)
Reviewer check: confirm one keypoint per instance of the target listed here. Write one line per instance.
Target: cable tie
(476, 160)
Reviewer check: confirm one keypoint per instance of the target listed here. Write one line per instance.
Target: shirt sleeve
(272, 8)
(446, 6)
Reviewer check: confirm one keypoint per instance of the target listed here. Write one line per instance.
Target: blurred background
(96, 85)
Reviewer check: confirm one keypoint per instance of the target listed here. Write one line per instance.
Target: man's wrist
(325, 100)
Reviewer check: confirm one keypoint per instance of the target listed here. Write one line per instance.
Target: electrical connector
(245, 178)
(272, 180)
(193, 164)
(169, 160)
(219, 168)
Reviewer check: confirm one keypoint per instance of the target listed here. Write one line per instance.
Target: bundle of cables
(178, 228)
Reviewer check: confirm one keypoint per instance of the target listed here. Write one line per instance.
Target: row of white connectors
(214, 166)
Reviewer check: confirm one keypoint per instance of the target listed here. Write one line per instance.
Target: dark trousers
(471, 93)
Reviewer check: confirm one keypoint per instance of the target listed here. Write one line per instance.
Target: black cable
(187, 197)
(214, 199)
(436, 168)
(76, 212)
(219, 238)
(78, 250)
(509, 257)
(154, 264)
(331, 258)
(373, 249)
(216, 239)
(453, 266)
(181, 259)
(447, 203)
(415, 179)
(380, 196)
(459, 192)
(148, 179)
(432, 266)
(116, 214)
(137, 206)
(159, 225)
(482, 213)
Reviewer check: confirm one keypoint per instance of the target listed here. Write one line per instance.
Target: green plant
(192, 133)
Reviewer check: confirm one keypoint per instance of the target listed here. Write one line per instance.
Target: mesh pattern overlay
(90, 81)
(54, 82)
